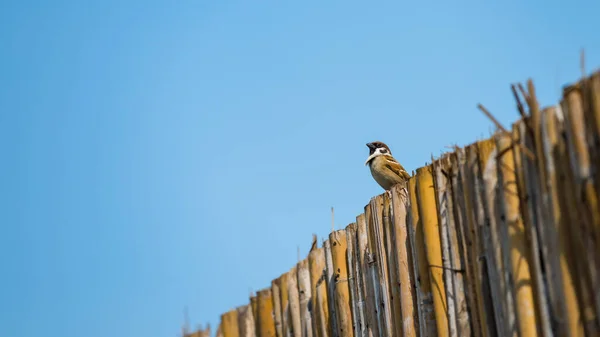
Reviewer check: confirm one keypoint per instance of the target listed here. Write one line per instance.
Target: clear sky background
(162, 154)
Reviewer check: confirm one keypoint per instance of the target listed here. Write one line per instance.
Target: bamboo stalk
(368, 294)
(571, 325)
(286, 323)
(229, 321)
(294, 303)
(495, 240)
(341, 291)
(245, 322)
(377, 246)
(528, 199)
(276, 290)
(352, 268)
(464, 240)
(404, 273)
(333, 324)
(473, 189)
(316, 262)
(457, 264)
(431, 233)
(520, 259)
(444, 216)
(305, 296)
(391, 269)
(265, 323)
(426, 312)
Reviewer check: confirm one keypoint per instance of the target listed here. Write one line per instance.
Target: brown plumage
(386, 170)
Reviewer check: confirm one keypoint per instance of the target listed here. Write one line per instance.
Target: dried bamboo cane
(343, 312)
(329, 270)
(426, 311)
(265, 324)
(369, 293)
(445, 217)
(352, 265)
(519, 257)
(495, 240)
(316, 262)
(305, 296)
(286, 323)
(276, 290)
(464, 241)
(377, 246)
(431, 233)
(229, 321)
(246, 321)
(473, 189)
(404, 274)
(570, 325)
(294, 300)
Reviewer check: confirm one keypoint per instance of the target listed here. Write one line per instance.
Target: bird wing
(395, 167)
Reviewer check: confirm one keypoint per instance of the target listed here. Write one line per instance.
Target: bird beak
(370, 145)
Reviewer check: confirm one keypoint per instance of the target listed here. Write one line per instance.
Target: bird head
(377, 149)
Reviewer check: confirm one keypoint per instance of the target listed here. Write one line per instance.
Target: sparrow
(386, 170)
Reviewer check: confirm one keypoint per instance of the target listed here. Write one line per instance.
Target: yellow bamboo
(431, 232)
(276, 291)
(318, 286)
(265, 325)
(404, 272)
(230, 324)
(424, 295)
(342, 291)
(520, 259)
(572, 325)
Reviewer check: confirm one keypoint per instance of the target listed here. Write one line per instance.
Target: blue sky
(163, 154)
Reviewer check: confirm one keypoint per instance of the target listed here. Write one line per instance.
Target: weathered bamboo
(463, 321)
(391, 269)
(276, 290)
(426, 313)
(343, 312)
(519, 257)
(294, 303)
(286, 323)
(352, 267)
(219, 332)
(404, 273)
(265, 325)
(245, 321)
(229, 321)
(368, 294)
(445, 217)
(570, 205)
(588, 209)
(464, 241)
(377, 243)
(254, 308)
(431, 233)
(494, 237)
(329, 273)
(528, 198)
(305, 296)
(567, 310)
(473, 189)
(316, 262)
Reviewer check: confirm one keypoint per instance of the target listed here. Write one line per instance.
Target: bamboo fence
(499, 238)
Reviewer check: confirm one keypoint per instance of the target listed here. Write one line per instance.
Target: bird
(386, 170)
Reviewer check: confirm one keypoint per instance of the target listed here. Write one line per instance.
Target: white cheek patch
(377, 153)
